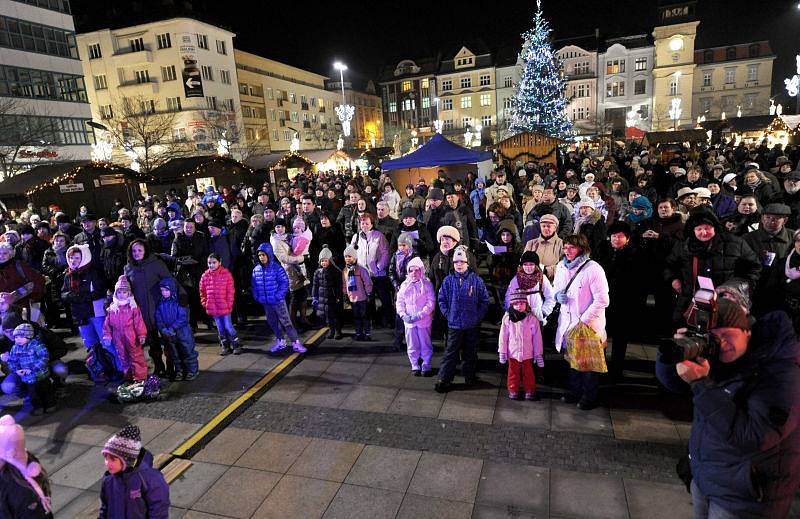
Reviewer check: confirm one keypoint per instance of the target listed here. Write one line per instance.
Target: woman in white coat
(585, 300)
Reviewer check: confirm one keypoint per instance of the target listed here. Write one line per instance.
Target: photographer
(744, 447)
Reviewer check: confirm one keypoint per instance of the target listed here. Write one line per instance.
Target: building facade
(508, 68)
(579, 62)
(408, 94)
(180, 66)
(367, 123)
(625, 85)
(734, 79)
(44, 105)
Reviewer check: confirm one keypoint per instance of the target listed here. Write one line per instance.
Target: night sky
(368, 35)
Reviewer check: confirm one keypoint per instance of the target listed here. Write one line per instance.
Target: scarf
(75, 277)
(577, 262)
(792, 273)
(528, 282)
(516, 316)
(61, 255)
(117, 303)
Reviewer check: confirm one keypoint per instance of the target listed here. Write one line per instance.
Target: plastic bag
(142, 390)
(585, 349)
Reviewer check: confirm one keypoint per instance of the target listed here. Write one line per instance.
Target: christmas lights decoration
(539, 102)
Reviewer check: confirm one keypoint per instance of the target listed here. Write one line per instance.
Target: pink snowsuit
(125, 328)
(417, 298)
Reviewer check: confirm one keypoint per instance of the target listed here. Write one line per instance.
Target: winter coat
(624, 270)
(442, 265)
(521, 340)
(587, 299)
(477, 198)
(363, 287)
(416, 297)
(18, 500)
(767, 295)
(462, 219)
(333, 237)
(93, 240)
(326, 290)
(172, 319)
(745, 440)
(160, 243)
(34, 357)
(54, 266)
(291, 264)
(87, 300)
(387, 226)
(724, 205)
(503, 266)
(139, 492)
(112, 260)
(372, 252)
(144, 277)
(594, 228)
(125, 328)
(16, 273)
(222, 246)
(561, 212)
(216, 291)
(550, 252)
(397, 268)
(463, 300)
(424, 245)
(541, 301)
(195, 247)
(269, 282)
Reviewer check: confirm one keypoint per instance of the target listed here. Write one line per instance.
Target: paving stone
(172, 437)
(193, 483)
(643, 426)
(419, 383)
(273, 452)
(62, 495)
(177, 513)
(567, 417)
(326, 459)
(324, 395)
(356, 502)
(444, 476)
(369, 398)
(342, 372)
(386, 375)
(586, 495)
(519, 487)
(508, 512)
(384, 467)
(194, 514)
(417, 403)
(310, 367)
(227, 446)
(89, 427)
(55, 454)
(417, 506)
(395, 359)
(650, 500)
(82, 472)
(287, 390)
(84, 500)
(296, 497)
(467, 407)
(521, 412)
(238, 493)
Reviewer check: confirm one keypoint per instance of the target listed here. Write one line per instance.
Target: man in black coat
(460, 216)
(433, 216)
(192, 244)
(90, 236)
(771, 242)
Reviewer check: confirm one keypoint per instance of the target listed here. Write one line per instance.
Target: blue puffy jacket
(269, 283)
(139, 492)
(463, 300)
(745, 441)
(172, 319)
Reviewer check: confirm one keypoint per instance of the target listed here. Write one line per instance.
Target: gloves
(106, 343)
(539, 361)
(407, 319)
(415, 318)
(503, 358)
(562, 297)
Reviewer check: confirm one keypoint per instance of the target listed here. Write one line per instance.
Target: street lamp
(344, 111)
(468, 137)
(438, 123)
(414, 139)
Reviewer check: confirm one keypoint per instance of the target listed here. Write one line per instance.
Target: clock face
(676, 44)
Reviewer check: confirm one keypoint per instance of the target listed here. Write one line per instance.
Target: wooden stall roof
(46, 175)
(528, 139)
(652, 138)
(186, 166)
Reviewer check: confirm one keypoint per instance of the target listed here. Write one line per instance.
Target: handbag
(557, 307)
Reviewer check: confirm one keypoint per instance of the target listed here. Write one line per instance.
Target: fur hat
(13, 452)
(406, 238)
(551, 218)
(24, 330)
(325, 253)
(448, 230)
(125, 445)
(350, 251)
(460, 254)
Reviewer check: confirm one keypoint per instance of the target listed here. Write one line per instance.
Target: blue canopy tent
(438, 153)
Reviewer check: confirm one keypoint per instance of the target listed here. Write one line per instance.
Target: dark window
(708, 56)
(730, 53)
(34, 37)
(754, 51)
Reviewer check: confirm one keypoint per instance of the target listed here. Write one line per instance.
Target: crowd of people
(562, 256)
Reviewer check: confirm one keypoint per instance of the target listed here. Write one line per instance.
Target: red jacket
(216, 291)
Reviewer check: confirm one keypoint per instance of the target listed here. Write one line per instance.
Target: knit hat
(280, 221)
(24, 330)
(435, 193)
(415, 262)
(325, 253)
(12, 451)
(219, 223)
(350, 251)
(125, 445)
(11, 320)
(448, 230)
(460, 254)
(529, 256)
(408, 212)
(731, 315)
(550, 218)
(518, 295)
(62, 218)
(122, 283)
(585, 202)
(406, 238)
(107, 231)
(159, 224)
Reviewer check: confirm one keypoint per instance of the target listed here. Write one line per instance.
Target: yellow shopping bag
(585, 349)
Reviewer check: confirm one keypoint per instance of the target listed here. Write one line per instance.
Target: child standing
(216, 296)
(463, 300)
(415, 306)
(326, 293)
(124, 331)
(28, 363)
(172, 321)
(397, 274)
(520, 341)
(531, 279)
(131, 486)
(270, 283)
(358, 286)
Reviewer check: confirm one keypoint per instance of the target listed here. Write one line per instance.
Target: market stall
(529, 146)
(199, 172)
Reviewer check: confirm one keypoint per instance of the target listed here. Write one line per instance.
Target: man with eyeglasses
(771, 242)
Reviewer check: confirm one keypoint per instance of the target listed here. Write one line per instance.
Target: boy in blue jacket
(463, 300)
(172, 320)
(132, 488)
(270, 283)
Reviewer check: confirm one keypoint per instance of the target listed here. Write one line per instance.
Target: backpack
(139, 391)
(100, 363)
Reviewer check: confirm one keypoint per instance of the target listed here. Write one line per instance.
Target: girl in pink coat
(216, 296)
(520, 341)
(124, 329)
(415, 305)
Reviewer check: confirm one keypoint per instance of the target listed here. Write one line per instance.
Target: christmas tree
(539, 102)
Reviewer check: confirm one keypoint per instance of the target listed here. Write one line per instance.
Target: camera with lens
(697, 341)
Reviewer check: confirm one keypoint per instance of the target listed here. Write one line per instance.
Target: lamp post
(438, 123)
(468, 137)
(344, 111)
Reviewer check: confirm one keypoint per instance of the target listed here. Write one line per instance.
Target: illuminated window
(424, 83)
(466, 102)
(406, 86)
(486, 99)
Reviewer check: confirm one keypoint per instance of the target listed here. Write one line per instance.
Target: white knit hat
(586, 202)
(12, 451)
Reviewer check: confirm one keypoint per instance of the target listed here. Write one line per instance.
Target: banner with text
(192, 80)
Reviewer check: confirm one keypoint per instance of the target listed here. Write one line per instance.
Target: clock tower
(673, 74)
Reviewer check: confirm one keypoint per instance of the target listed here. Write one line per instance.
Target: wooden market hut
(180, 173)
(529, 146)
(753, 128)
